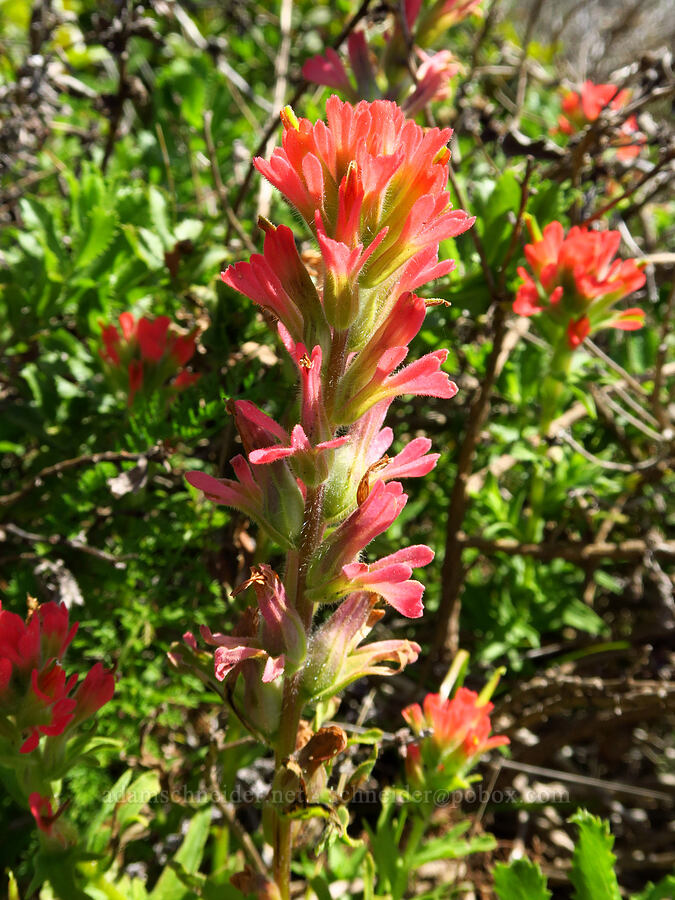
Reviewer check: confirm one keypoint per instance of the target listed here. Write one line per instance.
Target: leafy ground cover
(126, 186)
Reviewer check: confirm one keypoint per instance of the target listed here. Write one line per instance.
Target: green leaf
(520, 879)
(608, 581)
(368, 877)
(98, 233)
(188, 230)
(320, 887)
(580, 616)
(585, 399)
(592, 872)
(146, 245)
(58, 868)
(664, 890)
(140, 792)
(371, 736)
(170, 886)
(12, 887)
(159, 215)
(451, 846)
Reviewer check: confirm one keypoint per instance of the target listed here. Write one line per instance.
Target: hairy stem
(291, 711)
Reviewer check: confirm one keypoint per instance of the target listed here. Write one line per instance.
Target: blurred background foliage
(126, 136)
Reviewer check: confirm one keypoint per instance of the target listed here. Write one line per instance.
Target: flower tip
(289, 119)
(265, 225)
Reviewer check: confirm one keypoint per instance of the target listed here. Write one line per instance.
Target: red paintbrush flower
(452, 735)
(577, 281)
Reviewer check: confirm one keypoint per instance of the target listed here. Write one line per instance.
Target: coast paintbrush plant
(573, 290)
(42, 711)
(372, 188)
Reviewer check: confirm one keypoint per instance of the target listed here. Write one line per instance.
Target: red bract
(459, 734)
(278, 281)
(41, 809)
(275, 637)
(335, 657)
(390, 578)
(433, 79)
(583, 107)
(152, 337)
(36, 697)
(577, 282)
(328, 69)
(147, 355)
(380, 508)
(344, 170)
(94, 692)
(372, 187)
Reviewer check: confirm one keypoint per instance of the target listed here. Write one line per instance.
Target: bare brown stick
(475, 237)
(234, 824)
(600, 213)
(645, 429)
(446, 624)
(609, 464)
(280, 84)
(574, 414)
(575, 552)
(221, 190)
(57, 540)
(154, 453)
(599, 783)
(629, 379)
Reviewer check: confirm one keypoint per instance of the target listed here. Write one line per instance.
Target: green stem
(283, 827)
(537, 495)
(553, 385)
(334, 370)
(292, 705)
(550, 394)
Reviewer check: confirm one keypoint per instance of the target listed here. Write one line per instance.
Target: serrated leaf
(39, 219)
(100, 229)
(146, 245)
(664, 890)
(592, 872)
(520, 879)
(451, 846)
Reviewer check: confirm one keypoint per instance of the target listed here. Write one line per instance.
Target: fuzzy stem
(550, 392)
(283, 836)
(553, 384)
(335, 369)
(291, 711)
